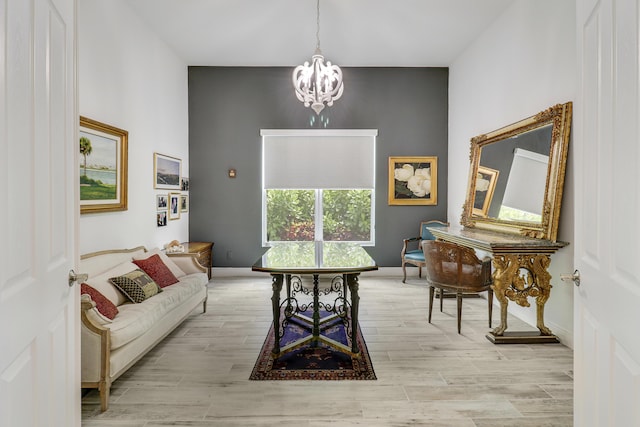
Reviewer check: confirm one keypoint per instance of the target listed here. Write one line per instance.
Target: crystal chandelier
(316, 83)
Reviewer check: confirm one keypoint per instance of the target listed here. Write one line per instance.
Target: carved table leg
(276, 285)
(542, 277)
(352, 282)
(517, 277)
(505, 270)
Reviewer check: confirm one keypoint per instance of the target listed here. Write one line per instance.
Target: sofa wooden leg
(105, 389)
(404, 272)
(204, 304)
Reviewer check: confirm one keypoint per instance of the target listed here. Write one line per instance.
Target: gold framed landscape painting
(103, 167)
(413, 180)
(166, 172)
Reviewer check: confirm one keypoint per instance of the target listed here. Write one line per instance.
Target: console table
(202, 250)
(520, 271)
(344, 260)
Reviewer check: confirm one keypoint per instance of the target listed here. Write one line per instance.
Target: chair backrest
(426, 234)
(454, 265)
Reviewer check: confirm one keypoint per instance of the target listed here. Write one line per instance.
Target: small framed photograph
(161, 218)
(166, 172)
(162, 202)
(174, 206)
(485, 186)
(184, 203)
(184, 184)
(413, 180)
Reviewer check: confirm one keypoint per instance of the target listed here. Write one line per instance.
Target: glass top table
(315, 258)
(288, 260)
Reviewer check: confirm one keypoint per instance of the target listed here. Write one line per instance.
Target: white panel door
(39, 338)
(607, 254)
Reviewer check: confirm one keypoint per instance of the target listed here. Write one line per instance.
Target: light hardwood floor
(428, 375)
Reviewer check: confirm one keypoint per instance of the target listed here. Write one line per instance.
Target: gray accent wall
(229, 105)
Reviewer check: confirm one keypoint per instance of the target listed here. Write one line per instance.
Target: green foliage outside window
(290, 215)
(346, 215)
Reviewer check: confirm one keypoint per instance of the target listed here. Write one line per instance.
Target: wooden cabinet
(203, 250)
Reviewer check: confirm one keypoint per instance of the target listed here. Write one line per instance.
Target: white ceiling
(399, 33)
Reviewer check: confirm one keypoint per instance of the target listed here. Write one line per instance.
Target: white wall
(131, 80)
(524, 63)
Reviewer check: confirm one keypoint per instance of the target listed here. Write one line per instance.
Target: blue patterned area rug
(313, 362)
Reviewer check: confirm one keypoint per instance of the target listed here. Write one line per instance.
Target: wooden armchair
(454, 268)
(412, 248)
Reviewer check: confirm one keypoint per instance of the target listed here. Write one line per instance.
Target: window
(525, 191)
(318, 185)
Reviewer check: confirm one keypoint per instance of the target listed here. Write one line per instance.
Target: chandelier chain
(318, 25)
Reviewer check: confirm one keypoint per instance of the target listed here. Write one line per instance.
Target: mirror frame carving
(560, 117)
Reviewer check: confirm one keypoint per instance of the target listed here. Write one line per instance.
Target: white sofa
(110, 347)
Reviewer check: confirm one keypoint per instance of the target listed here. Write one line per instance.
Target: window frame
(319, 217)
(322, 134)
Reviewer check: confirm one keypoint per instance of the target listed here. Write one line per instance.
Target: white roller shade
(327, 159)
(527, 181)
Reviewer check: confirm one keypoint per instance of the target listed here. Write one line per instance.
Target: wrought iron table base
(348, 314)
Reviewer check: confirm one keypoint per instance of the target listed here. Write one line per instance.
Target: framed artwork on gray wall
(413, 180)
(166, 172)
(103, 167)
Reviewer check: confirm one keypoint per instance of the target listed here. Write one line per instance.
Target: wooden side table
(202, 250)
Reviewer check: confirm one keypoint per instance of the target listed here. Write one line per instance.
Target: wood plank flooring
(428, 375)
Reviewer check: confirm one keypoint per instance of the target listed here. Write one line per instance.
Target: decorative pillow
(157, 269)
(105, 307)
(101, 282)
(136, 285)
(177, 271)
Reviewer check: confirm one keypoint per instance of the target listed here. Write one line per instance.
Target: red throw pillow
(157, 270)
(104, 306)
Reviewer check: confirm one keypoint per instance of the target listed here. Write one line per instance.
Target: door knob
(575, 278)
(73, 277)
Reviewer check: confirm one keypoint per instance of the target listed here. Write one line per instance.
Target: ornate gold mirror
(517, 175)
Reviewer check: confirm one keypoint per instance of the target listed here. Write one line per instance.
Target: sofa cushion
(136, 285)
(136, 319)
(106, 309)
(177, 271)
(101, 282)
(157, 269)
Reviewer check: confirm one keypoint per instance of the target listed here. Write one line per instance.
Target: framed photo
(413, 180)
(174, 206)
(184, 203)
(103, 167)
(184, 184)
(166, 172)
(485, 186)
(162, 218)
(162, 202)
